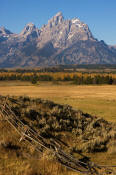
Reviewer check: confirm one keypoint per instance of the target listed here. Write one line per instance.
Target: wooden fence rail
(40, 143)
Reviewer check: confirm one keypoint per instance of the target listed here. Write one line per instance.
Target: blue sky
(100, 15)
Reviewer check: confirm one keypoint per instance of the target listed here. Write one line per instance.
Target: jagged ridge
(58, 42)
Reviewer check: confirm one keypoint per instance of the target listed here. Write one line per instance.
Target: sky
(100, 15)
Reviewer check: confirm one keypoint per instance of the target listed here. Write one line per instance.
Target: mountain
(60, 41)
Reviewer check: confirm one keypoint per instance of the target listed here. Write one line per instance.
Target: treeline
(65, 68)
(76, 78)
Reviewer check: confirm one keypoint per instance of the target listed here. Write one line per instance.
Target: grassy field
(96, 100)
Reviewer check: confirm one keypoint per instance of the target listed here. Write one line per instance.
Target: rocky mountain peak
(77, 22)
(30, 29)
(4, 31)
(30, 26)
(60, 41)
(57, 19)
(59, 14)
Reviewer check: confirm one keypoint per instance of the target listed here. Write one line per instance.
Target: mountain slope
(86, 52)
(58, 42)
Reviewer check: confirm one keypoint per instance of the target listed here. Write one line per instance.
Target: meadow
(98, 100)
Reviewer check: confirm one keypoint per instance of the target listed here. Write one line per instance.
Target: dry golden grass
(96, 100)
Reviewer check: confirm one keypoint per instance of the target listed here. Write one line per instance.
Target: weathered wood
(38, 142)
